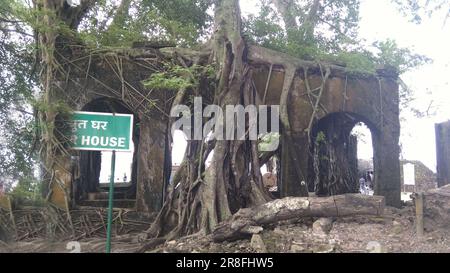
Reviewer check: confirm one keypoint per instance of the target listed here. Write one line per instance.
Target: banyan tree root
(246, 220)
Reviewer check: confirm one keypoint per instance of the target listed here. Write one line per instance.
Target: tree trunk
(245, 220)
(285, 8)
(233, 180)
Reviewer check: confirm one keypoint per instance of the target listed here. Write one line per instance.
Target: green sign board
(102, 131)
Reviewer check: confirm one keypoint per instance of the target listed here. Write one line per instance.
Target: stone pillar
(151, 156)
(443, 153)
(385, 129)
(352, 159)
(387, 164)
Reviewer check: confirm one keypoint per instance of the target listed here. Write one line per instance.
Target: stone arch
(373, 99)
(333, 153)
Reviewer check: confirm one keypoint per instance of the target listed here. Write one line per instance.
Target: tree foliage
(307, 29)
(417, 10)
(17, 86)
(327, 31)
(118, 23)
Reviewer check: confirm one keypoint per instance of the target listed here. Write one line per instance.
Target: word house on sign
(101, 131)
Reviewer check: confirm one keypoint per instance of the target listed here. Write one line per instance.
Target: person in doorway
(362, 185)
(370, 179)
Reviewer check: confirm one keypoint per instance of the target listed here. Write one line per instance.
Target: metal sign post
(110, 202)
(111, 198)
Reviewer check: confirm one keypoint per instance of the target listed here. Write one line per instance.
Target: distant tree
(417, 10)
(17, 87)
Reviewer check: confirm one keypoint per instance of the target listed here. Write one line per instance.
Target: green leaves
(27, 192)
(165, 81)
(320, 138)
(416, 10)
(263, 29)
(327, 33)
(400, 58)
(17, 87)
(268, 141)
(317, 28)
(177, 77)
(120, 23)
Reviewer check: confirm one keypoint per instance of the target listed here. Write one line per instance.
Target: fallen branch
(151, 244)
(287, 208)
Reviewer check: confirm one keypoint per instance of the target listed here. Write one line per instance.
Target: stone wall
(443, 153)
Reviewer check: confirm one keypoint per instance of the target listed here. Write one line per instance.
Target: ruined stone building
(425, 179)
(111, 81)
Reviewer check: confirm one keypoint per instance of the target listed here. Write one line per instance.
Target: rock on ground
(322, 226)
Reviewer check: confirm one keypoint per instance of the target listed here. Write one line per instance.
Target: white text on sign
(103, 141)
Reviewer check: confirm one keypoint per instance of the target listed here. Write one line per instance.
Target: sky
(430, 83)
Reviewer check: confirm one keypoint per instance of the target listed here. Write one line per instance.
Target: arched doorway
(333, 168)
(366, 175)
(91, 187)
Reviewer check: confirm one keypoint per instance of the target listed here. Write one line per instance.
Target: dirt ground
(392, 232)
